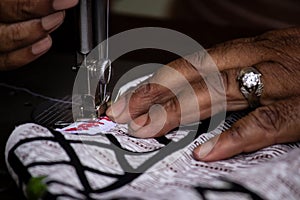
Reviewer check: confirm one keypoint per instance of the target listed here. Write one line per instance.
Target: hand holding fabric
(153, 109)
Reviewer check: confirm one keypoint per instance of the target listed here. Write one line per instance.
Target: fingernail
(138, 123)
(41, 46)
(64, 4)
(206, 148)
(117, 108)
(53, 20)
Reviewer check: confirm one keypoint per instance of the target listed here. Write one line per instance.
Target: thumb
(276, 123)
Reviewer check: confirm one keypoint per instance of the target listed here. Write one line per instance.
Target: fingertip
(53, 21)
(109, 113)
(117, 108)
(64, 4)
(41, 46)
(196, 153)
(21, 57)
(204, 151)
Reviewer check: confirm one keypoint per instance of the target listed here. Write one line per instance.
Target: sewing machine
(93, 19)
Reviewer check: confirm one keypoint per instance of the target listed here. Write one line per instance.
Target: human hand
(25, 26)
(275, 54)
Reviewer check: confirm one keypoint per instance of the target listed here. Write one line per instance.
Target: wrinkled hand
(25, 26)
(164, 103)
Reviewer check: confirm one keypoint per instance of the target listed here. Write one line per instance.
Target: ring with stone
(251, 85)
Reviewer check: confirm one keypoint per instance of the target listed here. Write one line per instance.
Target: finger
(158, 89)
(25, 55)
(234, 54)
(161, 87)
(141, 101)
(273, 124)
(199, 101)
(279, 81)
(250, 51)
(207, 89)
(158, 121)
(21, 10)
(138, 102)
(190, 105)
(22, 34)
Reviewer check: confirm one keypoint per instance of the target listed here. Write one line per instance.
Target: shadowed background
(207, 21)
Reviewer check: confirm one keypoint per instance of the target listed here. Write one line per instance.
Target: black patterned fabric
(112, 165)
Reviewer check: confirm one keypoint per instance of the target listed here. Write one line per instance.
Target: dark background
(51, 75)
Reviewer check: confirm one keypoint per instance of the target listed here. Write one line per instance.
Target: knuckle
(279, 45)
(17, 33)
(141, 99)
(236, 133)
(195, 63)
(148, 91)
(19, 8)
(267, 118)
(173, 110)
(23, 7)
(144, 89)
(4, 37)
(142, 92)
(200, 86)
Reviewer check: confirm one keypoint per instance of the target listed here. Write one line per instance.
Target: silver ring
(251, 85)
